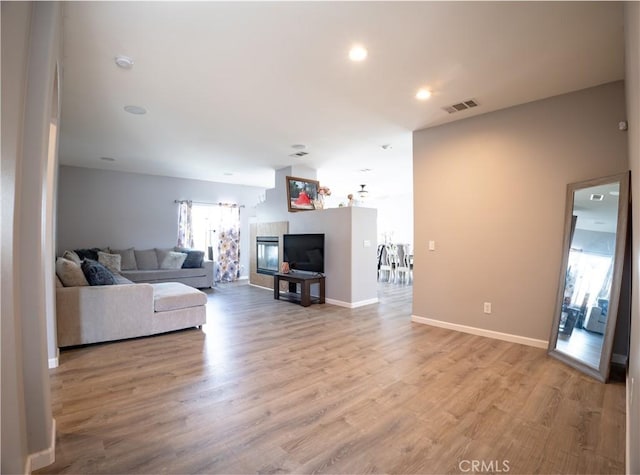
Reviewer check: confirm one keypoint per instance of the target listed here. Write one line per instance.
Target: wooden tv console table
(305, 281)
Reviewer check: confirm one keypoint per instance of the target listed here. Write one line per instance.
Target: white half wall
(350, 266)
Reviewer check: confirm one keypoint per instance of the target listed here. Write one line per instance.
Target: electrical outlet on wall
(487, 307)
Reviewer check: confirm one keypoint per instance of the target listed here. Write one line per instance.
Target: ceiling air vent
(299, 154)
(460, 106)
(597, 197)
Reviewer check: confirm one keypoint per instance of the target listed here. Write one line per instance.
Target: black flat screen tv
(304, 252)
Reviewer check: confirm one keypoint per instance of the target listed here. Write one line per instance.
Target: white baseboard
(260, 287)
(360, 303)
(44, 457)
(53, 362)
(482, 332)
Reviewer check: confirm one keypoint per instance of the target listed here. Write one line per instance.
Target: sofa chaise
(92, 314)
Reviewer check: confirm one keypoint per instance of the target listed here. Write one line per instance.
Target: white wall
(15, 32)
(50, 191)
(31, 47)
(99, 208)
(632, 80)
(492, 197)
(395, 218)
(275, 207)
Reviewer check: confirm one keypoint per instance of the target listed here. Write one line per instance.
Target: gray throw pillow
(110, 261)
(127, 259)
(96, 273)
(70, 273)
(173, 260)
(146, 259)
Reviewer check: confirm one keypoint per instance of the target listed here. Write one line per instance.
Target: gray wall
(632, 65)
(492, 197)
(118, 209)
(31, 47)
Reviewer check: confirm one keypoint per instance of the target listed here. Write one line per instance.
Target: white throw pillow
(173, 260)
(110, 261)
(72, 256)
(70, 273)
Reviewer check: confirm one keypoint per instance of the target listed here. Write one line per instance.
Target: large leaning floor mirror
(589, 289)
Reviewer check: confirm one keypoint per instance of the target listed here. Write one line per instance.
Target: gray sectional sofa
(200, 277)
(187, 266)
(146, 266)
(105, 295)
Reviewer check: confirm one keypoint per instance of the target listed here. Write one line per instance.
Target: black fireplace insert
(267, 252)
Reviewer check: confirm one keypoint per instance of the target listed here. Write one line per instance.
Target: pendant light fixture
(362, 193)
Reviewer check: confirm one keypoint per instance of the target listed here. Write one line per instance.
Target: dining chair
(403, 266)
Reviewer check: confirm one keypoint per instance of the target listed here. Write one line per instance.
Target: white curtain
(185, 225)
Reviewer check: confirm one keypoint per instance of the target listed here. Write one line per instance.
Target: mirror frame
(602, 372)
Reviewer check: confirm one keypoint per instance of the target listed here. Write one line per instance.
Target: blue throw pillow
(194, 258)
(96, 273)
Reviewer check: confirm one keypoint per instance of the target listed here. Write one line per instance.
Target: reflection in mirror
(595, 231)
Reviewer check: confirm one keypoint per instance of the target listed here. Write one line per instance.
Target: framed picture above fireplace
(302, 193)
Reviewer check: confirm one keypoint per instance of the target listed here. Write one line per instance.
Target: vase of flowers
(322, 192)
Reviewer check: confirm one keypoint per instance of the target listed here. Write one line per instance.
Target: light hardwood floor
(272, 387)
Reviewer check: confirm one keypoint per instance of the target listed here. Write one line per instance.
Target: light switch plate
(432, 245)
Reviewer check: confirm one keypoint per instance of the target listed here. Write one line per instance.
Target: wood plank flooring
(272, 387)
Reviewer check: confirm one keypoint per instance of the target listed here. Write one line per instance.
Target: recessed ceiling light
(365, 170)
(108, 159)
(135, 110)
(423, 94)
(123, 62)
(614, 193)
(357, 53)
(299, 146)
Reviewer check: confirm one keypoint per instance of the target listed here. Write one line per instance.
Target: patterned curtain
(185, 225)
(228, 266)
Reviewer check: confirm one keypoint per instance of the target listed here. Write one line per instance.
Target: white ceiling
(593, 215)
(229, 87)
